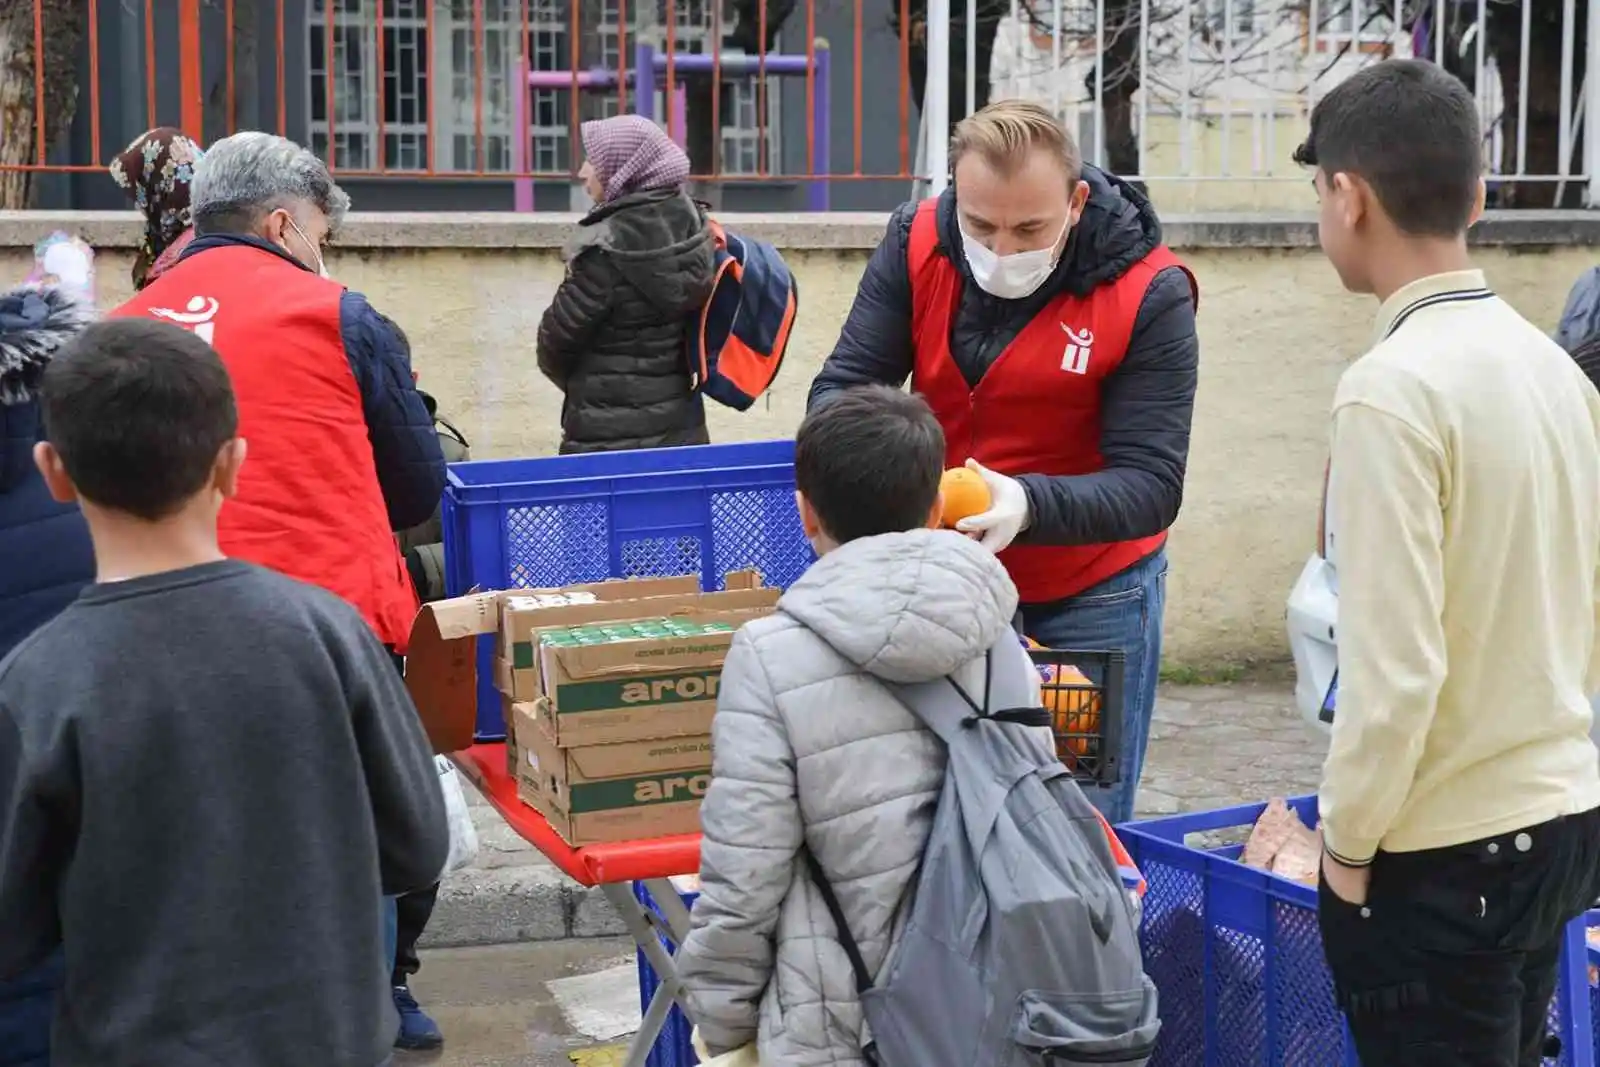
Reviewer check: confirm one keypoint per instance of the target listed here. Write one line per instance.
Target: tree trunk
(63, 34)
(1121, 82)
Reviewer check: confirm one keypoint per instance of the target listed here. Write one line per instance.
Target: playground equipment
(652, 65)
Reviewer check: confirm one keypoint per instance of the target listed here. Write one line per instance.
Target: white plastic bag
(463, 835)
(739, 1057)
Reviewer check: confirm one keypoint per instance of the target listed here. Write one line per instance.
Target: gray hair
(244, 177)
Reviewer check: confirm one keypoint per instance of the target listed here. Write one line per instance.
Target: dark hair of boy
(1586, 354)
(138, 410)
(869, 462)
(1411, 132)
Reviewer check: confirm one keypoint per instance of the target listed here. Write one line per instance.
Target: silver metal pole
(1591, 95)
(936, 96)
(972, 57)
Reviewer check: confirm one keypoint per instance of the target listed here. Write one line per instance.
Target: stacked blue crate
(562, 520)
(1236, 954)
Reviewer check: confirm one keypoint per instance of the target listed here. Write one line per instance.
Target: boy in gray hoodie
(812, 748)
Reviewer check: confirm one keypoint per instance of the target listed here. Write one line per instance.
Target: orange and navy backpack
(736, 344)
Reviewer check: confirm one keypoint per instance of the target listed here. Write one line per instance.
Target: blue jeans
(1123, 612)
(26, 1014)
(391, 934)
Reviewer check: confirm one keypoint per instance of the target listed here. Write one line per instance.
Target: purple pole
(679, 126)
(735, 66)
(521, 188)
(561, 79)
(821, 130)
(644, 65)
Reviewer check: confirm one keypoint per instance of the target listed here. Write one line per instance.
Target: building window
(1367, 24)
(1231, 20)
(378, 69)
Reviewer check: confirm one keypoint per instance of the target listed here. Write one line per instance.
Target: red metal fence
(480, 88)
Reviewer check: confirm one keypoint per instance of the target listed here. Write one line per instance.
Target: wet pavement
(1211, 746)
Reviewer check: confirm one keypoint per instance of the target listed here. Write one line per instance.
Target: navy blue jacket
(405, 448)
(45, 559)
(1146, 404)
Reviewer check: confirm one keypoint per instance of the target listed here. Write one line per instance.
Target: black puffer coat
(614, 338)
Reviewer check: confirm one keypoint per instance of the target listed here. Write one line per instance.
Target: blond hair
(1006, 132)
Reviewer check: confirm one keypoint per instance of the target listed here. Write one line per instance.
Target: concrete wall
(1276, 330)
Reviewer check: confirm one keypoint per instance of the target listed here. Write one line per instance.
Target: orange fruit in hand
(964, 494)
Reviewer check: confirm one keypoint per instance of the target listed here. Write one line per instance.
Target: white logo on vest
(1075, 357)
(198, 317)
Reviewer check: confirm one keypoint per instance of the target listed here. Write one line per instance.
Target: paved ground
(1212, 746)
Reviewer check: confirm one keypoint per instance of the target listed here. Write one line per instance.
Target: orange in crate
(1074, 705)
(964, 494)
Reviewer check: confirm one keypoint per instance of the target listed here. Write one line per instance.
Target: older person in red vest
(342, 446)
(1035, 308)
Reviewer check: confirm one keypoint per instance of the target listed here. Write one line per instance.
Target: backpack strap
(931, 703)
(847, 940)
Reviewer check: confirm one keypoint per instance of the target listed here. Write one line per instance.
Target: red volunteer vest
(1037, 409)
(309, 504)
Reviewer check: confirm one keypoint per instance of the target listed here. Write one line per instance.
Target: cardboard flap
(747, 579)
(442, 666)
(618, 657)
(464, 616)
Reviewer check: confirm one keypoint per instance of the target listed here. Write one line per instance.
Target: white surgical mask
(322, 267)
(1015, 276)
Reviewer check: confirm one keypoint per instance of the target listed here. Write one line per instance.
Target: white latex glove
(1008, 510)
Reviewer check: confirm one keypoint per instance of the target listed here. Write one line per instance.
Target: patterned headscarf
(155, 171)
(630, 154)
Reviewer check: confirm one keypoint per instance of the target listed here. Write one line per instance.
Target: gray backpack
(1021, 946)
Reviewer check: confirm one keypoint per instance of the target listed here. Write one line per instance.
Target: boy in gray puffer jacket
(810, 747)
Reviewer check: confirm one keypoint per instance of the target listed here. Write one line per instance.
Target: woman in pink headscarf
(613, 339)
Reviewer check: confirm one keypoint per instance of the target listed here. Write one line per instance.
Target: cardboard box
(635, 689)
(517, 662)
(611, 792)
(519, 619)
(441, 662)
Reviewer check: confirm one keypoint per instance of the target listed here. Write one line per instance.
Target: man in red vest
(1035, 308)
(342, 447)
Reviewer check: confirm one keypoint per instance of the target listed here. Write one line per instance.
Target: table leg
(671, 907)
(636, 918)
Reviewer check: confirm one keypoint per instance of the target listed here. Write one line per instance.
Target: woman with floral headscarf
(155, 171)
(614, 338)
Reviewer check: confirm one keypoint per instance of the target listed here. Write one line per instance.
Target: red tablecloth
(622, 861)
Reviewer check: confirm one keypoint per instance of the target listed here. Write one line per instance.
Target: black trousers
(1452, 961)
(412, 912)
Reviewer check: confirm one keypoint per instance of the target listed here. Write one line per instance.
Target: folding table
(611, 868)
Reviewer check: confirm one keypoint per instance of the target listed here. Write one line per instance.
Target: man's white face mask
(322, 266)
(1015, 276)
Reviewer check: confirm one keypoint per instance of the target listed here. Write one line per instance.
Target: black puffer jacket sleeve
(579, 307)
(405, 448)
(875, 344)
(1145, 410)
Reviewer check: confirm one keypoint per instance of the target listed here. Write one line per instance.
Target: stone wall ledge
(838, 231)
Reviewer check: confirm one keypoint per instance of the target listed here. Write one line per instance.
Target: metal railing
(1201, 99)
(1194, 93)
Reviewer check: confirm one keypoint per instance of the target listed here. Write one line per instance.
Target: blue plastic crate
(1592, 956)
(674, 1047)
(561, 520)
(1236, 955)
